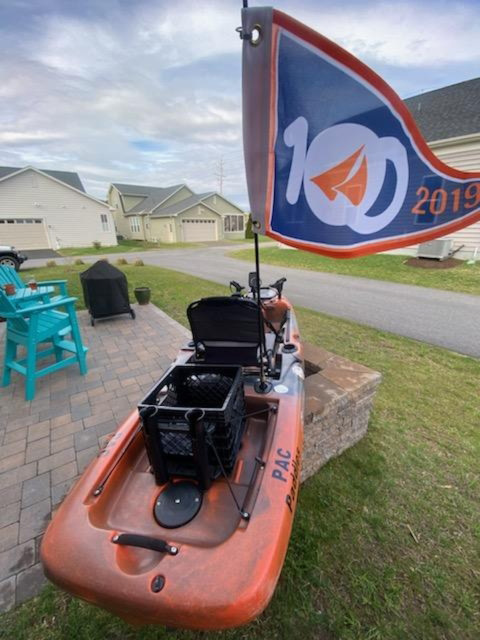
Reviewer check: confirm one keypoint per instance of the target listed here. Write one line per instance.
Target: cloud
(405, 33)
(150, 92)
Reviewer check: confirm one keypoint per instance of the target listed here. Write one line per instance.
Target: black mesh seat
(225, 330)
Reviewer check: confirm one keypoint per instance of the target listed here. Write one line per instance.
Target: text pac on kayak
(334, 160)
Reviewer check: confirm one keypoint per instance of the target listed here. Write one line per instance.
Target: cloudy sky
(148, 92)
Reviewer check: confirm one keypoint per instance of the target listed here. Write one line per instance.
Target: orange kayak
(219, 569)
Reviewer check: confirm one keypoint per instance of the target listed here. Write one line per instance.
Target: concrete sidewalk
(46, 443)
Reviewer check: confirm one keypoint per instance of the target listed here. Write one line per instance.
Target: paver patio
(48, 442)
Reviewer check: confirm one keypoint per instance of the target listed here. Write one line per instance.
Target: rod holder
(196, 425)
(154, 447)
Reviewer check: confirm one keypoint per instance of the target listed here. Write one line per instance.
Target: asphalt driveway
(37, 254)
(442, 318)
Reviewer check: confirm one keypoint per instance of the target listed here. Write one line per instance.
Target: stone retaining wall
(338, 399)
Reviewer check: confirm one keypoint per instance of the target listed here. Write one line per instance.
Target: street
(442, 318)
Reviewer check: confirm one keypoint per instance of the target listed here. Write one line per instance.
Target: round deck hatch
(177, 504)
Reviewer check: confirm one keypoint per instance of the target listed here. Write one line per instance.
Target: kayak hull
(227, 566)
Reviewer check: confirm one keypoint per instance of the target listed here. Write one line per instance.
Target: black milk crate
(216, 389)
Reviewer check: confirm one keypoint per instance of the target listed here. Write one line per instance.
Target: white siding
(463, 154)
(71, 219)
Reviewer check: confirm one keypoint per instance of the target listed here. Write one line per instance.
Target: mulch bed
(428, 263)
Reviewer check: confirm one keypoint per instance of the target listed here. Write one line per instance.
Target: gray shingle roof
(68, 177)
(186, 203)
(153, 195)
(448, 112)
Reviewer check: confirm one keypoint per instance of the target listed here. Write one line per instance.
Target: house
(42, 209)
(449, 119)
(174, 214)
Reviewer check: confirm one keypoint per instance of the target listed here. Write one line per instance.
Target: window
(104, 219)
(21, 221)
(134, 224)
(233, 223)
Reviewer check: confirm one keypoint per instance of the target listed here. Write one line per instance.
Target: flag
(335, 162)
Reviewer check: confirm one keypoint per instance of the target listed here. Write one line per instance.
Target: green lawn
(171, 290)
(260, 239)
(124, 246)
(353, 570)
(464, 278)
(129, 246)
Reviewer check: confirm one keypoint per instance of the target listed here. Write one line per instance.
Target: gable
(31, 186)
(221, 204)
(182, 194)
(131, 201)
(69, 178)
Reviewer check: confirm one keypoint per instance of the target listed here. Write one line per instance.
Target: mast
(262, 386)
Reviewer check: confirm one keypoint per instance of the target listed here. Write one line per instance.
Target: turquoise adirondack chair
(9, 275)
(37, 324)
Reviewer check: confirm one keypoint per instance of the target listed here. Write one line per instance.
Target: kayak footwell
(131, 492)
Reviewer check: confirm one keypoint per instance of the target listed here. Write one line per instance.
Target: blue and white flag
(335, 162)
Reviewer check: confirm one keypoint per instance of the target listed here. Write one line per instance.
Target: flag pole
(262, 386)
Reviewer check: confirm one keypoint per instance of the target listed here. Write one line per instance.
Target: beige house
(42, 209)
(174, 214)
(449, 119)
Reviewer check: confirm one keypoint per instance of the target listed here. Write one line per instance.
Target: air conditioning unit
(436, 249)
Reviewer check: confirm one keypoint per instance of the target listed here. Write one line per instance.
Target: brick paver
(46, 443)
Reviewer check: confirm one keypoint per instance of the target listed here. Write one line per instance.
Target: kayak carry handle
(145, 542)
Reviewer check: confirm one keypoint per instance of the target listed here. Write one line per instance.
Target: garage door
(199, 230)
(23, 233)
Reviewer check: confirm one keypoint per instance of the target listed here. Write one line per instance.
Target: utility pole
(220, 175)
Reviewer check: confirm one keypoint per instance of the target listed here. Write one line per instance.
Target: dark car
(10, 257)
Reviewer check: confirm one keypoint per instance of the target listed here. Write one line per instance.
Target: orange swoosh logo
(337, 179)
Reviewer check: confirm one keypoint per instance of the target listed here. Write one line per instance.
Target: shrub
(249, 228)
(79, 261)
(138, 263)
(50, 263)
(97, 244)
(121, 261)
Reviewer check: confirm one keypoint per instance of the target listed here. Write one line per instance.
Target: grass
(124, 246)
(171, 290)
(129, 246)
(261, 238)
(464, 278)
(353, 570)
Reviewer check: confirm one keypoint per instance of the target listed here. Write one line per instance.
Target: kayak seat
(225, 330)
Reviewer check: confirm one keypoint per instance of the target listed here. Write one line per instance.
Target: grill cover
(105, 290)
